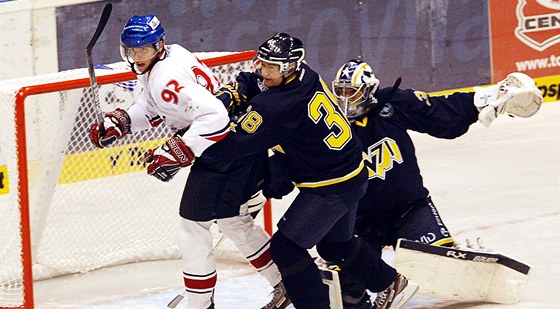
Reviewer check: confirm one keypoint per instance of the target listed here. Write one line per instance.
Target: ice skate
(280, 299)
(396, 295)
(363, 302)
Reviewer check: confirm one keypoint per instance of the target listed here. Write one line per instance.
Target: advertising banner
(433, 45)
(524, 37)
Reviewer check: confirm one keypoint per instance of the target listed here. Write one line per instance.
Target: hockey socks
(300, 274)
(358, 260)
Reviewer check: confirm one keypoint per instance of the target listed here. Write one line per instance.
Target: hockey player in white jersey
(178, 91)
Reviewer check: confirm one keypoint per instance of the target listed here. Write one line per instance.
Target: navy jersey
(394, 175)
(302, 120)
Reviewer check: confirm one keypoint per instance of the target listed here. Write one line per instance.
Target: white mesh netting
(89, 208)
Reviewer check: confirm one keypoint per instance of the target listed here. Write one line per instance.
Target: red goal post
(56, 187)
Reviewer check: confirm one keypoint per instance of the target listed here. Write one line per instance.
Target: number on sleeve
(251, 121)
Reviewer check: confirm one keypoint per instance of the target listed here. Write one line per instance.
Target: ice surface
(500, 183)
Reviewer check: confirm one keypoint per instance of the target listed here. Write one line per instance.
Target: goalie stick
(92, 79)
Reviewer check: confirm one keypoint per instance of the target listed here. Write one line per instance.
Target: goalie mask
(354, 87)
(284, 50)
(142, 42)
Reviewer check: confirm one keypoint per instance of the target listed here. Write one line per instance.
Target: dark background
(433, 44)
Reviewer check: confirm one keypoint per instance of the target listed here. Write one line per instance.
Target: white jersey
(178, 90)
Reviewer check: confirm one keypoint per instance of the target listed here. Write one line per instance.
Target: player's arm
(277, 181)
(440, 116)
(118, 123)
(257, 131)
(236, 95)
(208, 123)
(209, 119)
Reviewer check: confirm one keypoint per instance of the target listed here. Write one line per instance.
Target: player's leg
(202, 194)
(251, 240)
(254, 243)
(309, 218)
(421, 222)
(300, 229)
(300, 274)
(362, 262)
(354, 294)
(198, 263)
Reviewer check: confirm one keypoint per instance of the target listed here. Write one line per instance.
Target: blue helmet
(354, 87)
(141, 31)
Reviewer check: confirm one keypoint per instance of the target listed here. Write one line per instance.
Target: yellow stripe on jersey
(331, 181)
(279, 149)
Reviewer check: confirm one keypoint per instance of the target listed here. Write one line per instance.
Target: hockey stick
(92, 79)
(177, 299)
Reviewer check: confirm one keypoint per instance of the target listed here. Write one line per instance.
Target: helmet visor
(267, 69)
(350, 93)
(138, 54)
(349, 97)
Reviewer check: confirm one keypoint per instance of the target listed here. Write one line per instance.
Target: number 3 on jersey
(322, 107)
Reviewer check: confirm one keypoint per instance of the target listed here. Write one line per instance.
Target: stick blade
(102, 22)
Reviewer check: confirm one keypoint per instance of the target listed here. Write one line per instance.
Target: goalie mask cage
(67, 207)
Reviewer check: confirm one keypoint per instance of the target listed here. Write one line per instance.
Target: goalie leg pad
(331, 279)
(463, 275)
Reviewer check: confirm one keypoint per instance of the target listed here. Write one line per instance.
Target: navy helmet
(283, 50)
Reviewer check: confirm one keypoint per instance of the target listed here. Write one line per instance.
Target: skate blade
(175, 301)
(405, 295)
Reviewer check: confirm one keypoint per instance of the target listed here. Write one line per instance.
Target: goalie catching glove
(166, 160)
(516, 95)
(116, 125)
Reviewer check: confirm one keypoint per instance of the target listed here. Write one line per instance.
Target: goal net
(67, 207)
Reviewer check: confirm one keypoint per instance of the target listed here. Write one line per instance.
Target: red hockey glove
(166, 160)
(116, 124)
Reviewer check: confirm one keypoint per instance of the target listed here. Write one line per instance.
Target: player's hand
(230, 96)
(116, 124)
(166, 160)
(516, 95)
(233, 100)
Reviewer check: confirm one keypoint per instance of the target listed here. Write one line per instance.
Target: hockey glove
(233, 100)
(116, 124)
(166, 160)
(516, 95)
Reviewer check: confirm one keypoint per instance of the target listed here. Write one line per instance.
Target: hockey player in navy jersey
(292, 110)
(396, 204)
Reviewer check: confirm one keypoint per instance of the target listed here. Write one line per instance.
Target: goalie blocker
(462, 274)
